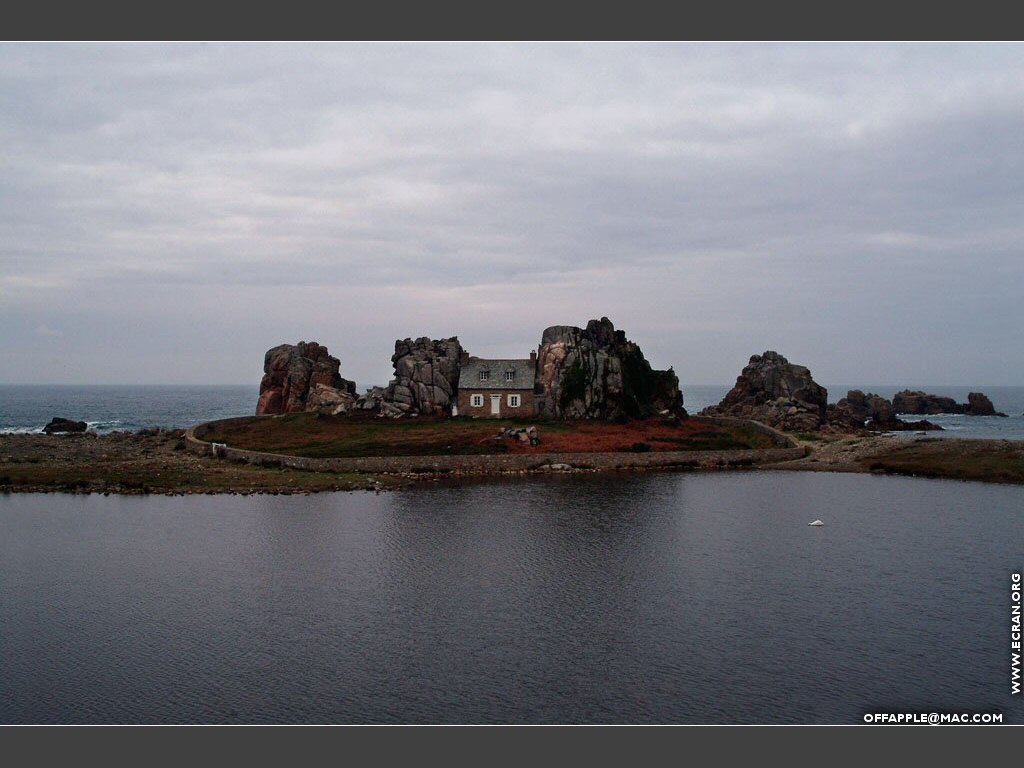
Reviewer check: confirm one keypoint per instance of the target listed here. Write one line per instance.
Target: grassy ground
(154, 464)
(306, 434)
(995, 461)
(131, 464)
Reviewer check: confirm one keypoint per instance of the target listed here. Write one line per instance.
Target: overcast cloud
(167, 213)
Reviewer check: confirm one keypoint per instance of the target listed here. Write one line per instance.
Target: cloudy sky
(167, 213)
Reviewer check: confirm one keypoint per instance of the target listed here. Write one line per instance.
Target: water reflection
(632, 598)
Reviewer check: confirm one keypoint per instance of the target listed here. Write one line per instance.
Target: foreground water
(651, 598)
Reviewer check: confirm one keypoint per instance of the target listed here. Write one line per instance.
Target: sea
(589, 598)
(113, 408)
(26, 409)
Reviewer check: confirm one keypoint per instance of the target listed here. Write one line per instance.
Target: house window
(510, 375)
(485, 375)
(477, 401)
(513, 401)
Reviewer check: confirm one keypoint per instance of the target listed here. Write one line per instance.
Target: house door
(495, 405)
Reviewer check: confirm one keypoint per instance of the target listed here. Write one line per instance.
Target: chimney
(533, 359)
(463, 357)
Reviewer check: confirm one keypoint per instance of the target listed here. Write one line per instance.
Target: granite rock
(301, 377)
(426, 375)
(597, 373)
(775, 392)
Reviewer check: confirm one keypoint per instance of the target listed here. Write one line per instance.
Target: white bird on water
(817, 523)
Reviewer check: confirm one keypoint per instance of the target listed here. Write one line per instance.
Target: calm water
(658, 598)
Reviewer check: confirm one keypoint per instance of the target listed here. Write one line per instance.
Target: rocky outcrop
(597, 373)
(858, 411)
(918, 402)
(978, 404)
(58, 425)
(303, 377)
(775, 392)
(426, 376)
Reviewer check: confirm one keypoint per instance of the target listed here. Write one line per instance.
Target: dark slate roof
(469, 377)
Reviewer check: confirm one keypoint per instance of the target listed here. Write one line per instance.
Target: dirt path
(842, 454)
(990, 461)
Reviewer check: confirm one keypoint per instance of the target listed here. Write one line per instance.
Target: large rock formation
(303, 377)
(597, 373)
(426, 376)
(919, 402)
(776, 392)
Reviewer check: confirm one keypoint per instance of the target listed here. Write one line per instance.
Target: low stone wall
(498, 463)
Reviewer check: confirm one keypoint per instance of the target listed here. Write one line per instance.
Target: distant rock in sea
(859, 411)
(58, 425)
(978, 404)
(917, 402)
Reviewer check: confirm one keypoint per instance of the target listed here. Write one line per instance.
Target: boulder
(370, 400)
(58, 425)
(301, 377)
(597, 373)
(330, 400)
(392, 410)
(776, 392)
(426, 374)
(527, 435)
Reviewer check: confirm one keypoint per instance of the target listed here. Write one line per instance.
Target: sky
(169, 212)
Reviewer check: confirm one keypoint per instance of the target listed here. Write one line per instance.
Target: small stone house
(497, 389)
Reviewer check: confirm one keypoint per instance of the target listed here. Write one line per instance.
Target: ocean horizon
(27, 408)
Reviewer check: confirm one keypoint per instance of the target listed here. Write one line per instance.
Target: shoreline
(179, 463)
